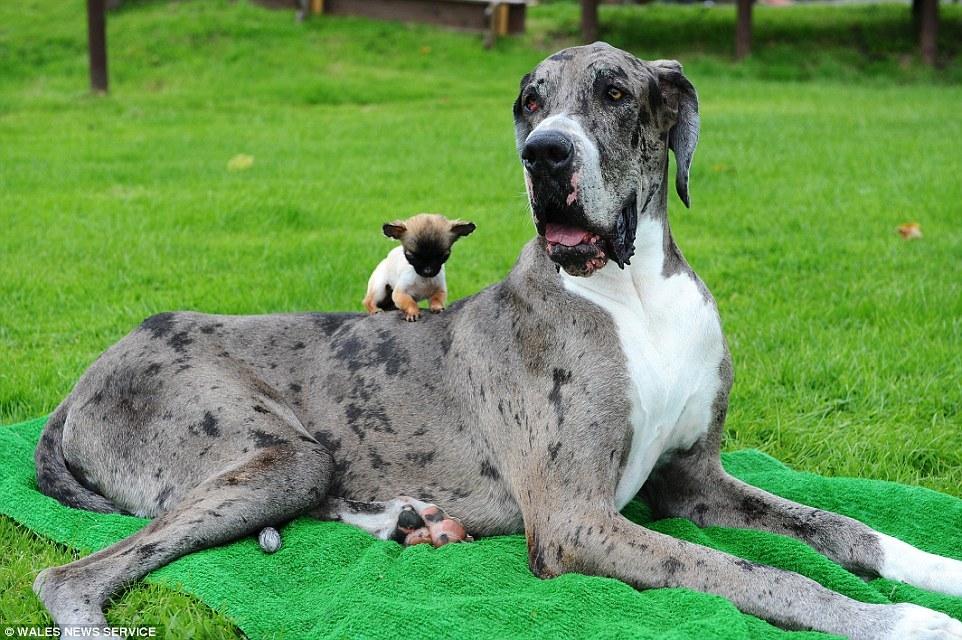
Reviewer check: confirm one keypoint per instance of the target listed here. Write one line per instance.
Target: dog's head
(594, 125)
(427, 240)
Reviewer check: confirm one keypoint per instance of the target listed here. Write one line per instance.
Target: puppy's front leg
(407, 305)
(369, 304)
(607, 544)
(437, 300)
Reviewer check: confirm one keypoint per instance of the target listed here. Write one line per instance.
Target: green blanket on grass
(332, 580)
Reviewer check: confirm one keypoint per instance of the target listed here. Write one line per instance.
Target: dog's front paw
(918, 623)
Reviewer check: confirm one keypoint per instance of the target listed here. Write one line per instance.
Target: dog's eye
(531, 104)
(615, 94)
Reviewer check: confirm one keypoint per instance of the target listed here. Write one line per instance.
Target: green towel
(332, 580)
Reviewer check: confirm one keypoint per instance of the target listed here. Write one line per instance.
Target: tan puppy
(415, 270)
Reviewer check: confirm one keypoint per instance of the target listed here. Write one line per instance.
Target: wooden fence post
(97, 44)
(589, 21)
(743, 29)
(929, 30)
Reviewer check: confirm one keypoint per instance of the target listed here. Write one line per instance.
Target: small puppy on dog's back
(415, 270)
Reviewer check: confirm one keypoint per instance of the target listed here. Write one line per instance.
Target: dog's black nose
(548, 153)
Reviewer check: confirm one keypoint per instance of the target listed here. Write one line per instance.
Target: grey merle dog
(595, 371)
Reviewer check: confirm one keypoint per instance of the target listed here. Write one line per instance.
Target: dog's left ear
(461, 228)
(680, 96)
(394, 229)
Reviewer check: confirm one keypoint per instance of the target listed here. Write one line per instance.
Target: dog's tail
(55, 479)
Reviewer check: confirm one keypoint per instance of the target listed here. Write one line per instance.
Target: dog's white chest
(673, 345)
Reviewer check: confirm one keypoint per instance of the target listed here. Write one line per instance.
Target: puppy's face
(427, 240)
(594, 125)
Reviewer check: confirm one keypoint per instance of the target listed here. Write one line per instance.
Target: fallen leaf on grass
(910, 230)
(240, 162)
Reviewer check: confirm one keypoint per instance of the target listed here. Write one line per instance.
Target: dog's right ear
(683, 135)
(394, 230)
(461, 228)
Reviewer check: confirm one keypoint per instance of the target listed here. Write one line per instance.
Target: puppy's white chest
(673, 345)
(419, 287)
(396, 273)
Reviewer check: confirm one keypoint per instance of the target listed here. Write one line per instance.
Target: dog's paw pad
(420, 523)
(418, 536)
(448, 530)
(409, 519)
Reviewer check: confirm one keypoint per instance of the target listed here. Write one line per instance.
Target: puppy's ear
(683, 136)
(461, 228)
(394, 230)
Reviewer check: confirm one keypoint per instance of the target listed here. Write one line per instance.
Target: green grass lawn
(846, 339)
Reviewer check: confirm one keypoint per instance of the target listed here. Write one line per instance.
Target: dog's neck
(656, 255)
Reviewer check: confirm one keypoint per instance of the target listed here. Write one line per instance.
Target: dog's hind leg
(694, 485)
(272, 485)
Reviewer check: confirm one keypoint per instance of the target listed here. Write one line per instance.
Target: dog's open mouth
(578, 251)
(581, 252)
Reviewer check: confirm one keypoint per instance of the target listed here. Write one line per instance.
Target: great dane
(597, 369)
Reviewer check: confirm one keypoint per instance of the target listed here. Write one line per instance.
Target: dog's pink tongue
(563, 234)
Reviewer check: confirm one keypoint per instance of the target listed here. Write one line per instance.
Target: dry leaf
(240, 162)
(910, 230)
